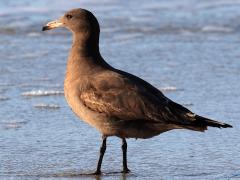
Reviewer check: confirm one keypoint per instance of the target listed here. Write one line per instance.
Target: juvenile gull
(115, 102)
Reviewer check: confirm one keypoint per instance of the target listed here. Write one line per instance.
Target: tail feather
(202, 121)
(189, 120)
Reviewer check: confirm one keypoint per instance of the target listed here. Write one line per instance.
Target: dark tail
(189, 120)
(202, 121)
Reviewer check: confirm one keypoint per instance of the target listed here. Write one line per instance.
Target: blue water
(190, 49)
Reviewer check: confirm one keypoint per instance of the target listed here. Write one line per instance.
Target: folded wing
(126, 98)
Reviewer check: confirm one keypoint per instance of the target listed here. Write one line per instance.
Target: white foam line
(2, 98)
(167, 89)
(13, 124)
(47, 106)
(211, 28)
(42, 93)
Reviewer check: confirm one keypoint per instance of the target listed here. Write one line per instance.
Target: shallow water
(189, 49)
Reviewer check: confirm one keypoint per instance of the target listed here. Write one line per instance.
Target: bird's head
(79, 21)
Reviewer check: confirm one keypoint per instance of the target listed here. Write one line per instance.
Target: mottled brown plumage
(115, 102)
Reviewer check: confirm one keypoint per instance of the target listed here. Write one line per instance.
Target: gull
(115, 102)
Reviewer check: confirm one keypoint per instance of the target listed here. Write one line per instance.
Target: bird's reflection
(122, 176)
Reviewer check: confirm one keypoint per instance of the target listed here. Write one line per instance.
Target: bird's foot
(125, 171)
(97, 172)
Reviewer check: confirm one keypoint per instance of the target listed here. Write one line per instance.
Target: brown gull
(115, 102)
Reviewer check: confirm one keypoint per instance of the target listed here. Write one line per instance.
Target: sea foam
(42, 93)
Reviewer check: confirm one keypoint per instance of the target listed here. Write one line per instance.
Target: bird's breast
(97, 120)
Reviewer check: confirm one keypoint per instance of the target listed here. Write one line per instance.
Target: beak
(52, 25)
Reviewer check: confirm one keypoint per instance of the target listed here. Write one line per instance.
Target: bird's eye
(69, 16)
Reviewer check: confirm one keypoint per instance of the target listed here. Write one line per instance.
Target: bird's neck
(85, 56)
(86, 46)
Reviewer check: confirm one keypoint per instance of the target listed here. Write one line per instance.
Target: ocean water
(189, 49)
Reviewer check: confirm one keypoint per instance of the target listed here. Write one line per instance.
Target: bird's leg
(102, 151)
(124, 149)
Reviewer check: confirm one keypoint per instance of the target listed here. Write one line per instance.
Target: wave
(3, 98)
(42, 93)
(187, 104)
(34, 34)
(13, 124)
(220, 29)
(168, 89)
(47, 106)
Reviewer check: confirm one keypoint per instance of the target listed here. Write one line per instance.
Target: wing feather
(127, 98)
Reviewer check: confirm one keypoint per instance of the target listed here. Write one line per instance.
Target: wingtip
(212, 123)
(227, 126)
